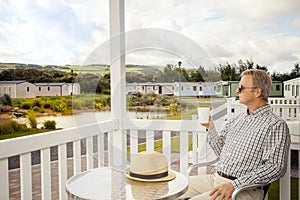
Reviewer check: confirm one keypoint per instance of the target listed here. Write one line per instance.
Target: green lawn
(23, 133)
(274, 190)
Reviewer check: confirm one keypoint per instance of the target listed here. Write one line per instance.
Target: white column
(117, 78)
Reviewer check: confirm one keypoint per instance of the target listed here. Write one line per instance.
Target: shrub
(7, 100)
(10, 126)
(26, 105)
(106, 91)
(47, 106)
(98, 105)
(36, 103)
(32, 119)
(5, 127)
(17, 127)
(173, 108)
(42, 110)
(36, 109)
(50, 124)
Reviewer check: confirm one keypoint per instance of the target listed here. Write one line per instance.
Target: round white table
(108, 183)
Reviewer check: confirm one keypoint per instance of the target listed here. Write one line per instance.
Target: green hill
(93, 69)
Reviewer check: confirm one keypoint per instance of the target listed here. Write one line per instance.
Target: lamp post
(179, 95)
(72, 81)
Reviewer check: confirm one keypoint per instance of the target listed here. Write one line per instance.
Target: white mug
(203, 114)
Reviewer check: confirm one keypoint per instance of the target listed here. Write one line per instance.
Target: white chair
(236, 191)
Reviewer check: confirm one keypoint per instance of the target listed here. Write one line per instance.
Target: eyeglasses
(240, 88)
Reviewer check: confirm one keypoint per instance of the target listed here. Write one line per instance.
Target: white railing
(23, 146)
(287, 108)
(96, 139)
(91, 134)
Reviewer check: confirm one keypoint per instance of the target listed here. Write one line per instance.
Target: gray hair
(260, 79)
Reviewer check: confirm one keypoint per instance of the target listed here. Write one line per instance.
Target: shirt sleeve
(275, 158)
(217, 141)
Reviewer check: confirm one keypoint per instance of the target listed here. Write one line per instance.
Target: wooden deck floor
(14, 178)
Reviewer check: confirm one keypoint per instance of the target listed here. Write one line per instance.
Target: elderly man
(253, 147)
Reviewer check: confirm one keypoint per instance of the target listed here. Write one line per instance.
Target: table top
(108, 183)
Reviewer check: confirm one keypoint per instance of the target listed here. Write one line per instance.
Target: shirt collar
(261, 110)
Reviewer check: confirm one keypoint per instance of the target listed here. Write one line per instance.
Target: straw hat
(149, 166)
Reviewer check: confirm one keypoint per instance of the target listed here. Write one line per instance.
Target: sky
(64, 32)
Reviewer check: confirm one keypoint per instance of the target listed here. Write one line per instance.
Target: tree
(212, 76)
(184, 75)
(198, 75)
(88, 82)
(228, 72)
(250, 64)
(265, 68)
(169, 74)
(280, 77)
(243, 66)
(296, 71)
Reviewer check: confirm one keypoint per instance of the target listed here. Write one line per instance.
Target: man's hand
(223, 191)
(209, 125)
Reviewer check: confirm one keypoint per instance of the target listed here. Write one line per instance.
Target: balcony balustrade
(90, 146)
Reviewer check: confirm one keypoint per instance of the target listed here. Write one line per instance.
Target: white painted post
(117, 78)
(133, 143)
(25, 175)
(62, 171)
(89, 153)
(195, 152)
(76, 157)
(101, 150)
(4, 181)
(285, 184)
(184, 152)
(166, 137)
(45, 174)
(150, 140)
(229, 107)
(202, 151)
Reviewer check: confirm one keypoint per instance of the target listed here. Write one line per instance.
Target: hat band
(154, 176)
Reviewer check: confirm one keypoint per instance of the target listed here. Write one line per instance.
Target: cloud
(66, 31)
(53, 32)
(296, 21)
(229, 30)
(257, 10)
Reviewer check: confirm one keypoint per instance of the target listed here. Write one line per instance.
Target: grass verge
(23, 133)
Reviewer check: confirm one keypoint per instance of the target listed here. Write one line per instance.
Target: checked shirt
(254, 148)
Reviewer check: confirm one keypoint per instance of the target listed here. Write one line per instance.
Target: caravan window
(277, 87)
(9, 91)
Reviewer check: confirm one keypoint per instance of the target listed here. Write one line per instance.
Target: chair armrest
(202, 164)
(236, 191)
(239, 189)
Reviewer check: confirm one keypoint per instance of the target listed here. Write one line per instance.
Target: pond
(68, 121)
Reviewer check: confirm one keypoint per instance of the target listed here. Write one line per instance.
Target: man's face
(246, 90)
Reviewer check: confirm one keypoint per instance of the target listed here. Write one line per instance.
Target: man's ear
(258, 92)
